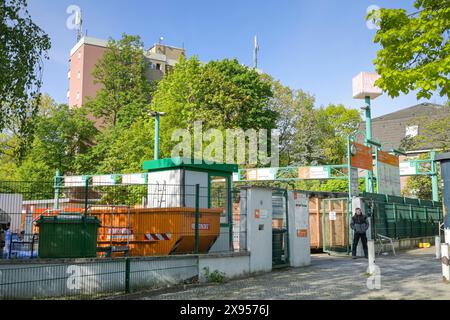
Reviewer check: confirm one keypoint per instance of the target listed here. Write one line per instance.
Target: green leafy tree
(415, 51)
(126, 93)
(287, 103)
(308, 137)
(336, 124)
(223, 94)
(61, 134)
(23, 46)
(119, 151)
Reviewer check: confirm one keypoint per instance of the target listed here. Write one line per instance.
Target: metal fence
(95, 278)
(131, 236)
(402, 218)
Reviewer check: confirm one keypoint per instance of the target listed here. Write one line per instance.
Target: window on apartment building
(78, 95)
(412, 131)
(79, 54)
(79, 75)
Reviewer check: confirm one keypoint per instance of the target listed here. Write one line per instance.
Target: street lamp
(364, 88)
(156, 115)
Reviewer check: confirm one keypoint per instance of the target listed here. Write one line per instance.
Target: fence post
(395, 220)
(56, 190)
(412, 232)
(86, 197)
(197, 204)
(127, 275)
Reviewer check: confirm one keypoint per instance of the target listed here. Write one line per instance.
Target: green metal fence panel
(395, 199)
(421, 216)
(403, 223)
(379, 219)
(427, 203)
(375, 196)
(412, 201)
(391, 220)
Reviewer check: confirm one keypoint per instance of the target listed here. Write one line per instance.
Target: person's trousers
(363, 238)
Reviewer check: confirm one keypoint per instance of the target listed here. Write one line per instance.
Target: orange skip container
(157, 231)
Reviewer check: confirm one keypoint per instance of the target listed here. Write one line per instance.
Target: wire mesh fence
(130, 236)
(74, 220)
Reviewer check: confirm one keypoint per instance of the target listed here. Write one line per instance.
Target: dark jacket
(359, 224)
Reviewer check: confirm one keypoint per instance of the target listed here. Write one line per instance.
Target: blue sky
(317, 46)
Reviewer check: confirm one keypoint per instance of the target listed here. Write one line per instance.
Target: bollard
(445, 264)
(371, 249)
(447, 235)
(437, 244)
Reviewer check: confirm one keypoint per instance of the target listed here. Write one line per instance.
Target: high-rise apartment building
(84, 56)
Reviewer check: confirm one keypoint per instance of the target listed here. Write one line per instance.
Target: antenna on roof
(79, 24)
(255, 53)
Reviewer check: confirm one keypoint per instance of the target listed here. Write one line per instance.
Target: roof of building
(422, 109)
(443, 156)
(187, 163)
(91, 41)
(390, 129)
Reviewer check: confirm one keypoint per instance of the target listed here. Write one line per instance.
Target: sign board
(301, 214)
(388, 174)
(74, 181)
(261, 174)
(354, 182)
(332, 216)
(313, 173)
(361, 156)
(138, 178)
(105, 180)
(408, 169)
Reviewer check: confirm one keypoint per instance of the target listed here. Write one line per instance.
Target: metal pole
(369, 174)
(156, 152)
(434, 177)
(86, 197)
(56, 187)
(127, 275)
(197, 194)
(350, 197)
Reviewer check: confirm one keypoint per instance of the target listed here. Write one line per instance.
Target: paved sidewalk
(414, 274)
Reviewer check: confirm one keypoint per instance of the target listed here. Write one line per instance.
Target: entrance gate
(336, 226)
(280, 227)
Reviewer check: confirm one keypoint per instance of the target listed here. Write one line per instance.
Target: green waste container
(69, 235)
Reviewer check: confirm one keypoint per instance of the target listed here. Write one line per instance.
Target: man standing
(359, 225)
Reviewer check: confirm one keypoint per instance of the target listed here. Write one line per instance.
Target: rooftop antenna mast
(255, 53)
(79, 24)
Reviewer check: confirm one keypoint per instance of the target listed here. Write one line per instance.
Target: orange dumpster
(156, 231)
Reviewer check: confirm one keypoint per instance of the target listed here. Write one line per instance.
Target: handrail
(383, 237)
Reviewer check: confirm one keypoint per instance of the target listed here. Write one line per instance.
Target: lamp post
(364, 88)
(157, 115)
